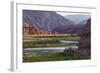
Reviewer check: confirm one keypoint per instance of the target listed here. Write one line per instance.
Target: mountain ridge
(48, 22)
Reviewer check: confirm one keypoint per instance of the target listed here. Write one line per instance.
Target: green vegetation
(58, 40)
(46, 43)
(36, 41)
(48, 56)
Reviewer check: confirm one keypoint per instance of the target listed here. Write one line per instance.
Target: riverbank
(48, 56)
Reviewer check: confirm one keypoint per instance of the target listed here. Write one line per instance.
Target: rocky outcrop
(29, 29)
(69, 51)
(85, 40)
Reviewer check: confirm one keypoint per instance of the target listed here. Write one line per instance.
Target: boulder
(68, 51)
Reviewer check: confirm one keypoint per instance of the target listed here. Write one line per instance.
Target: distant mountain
(45, 20)
(84, 21)
(74, 29)
(78, 18)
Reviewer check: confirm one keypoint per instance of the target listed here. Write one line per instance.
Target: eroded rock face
(85, 40)
(29, 29)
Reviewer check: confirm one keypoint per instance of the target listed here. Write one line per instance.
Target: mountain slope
(45, 20)
(77, 18)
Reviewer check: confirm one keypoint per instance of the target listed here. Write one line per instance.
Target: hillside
(45, 21)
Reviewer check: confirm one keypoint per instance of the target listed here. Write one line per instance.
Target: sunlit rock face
(28, 29)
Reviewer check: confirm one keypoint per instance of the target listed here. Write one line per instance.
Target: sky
(77, 18)
(71, 13)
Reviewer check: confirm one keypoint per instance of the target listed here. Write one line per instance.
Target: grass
(57, 36)
(36, 41)
(51, 35)
(48, 45)
(40, 56)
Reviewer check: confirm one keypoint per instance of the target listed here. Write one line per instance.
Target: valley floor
(40, 56)
(41, 41)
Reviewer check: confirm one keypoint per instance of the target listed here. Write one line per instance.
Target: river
(50, 49)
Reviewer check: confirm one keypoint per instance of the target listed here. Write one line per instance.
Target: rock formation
(85, 40)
